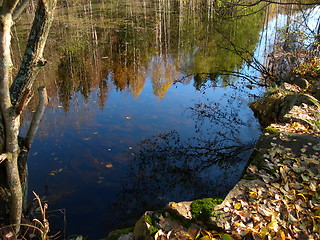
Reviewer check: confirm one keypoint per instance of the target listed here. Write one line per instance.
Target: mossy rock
(115, 235)
(271, 130)
(203, 209)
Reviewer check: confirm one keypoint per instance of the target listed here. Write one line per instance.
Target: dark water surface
(138, 114)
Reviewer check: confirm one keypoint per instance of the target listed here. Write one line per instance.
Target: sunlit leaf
(273, 225)
(263, 232)
(237, 205)
(252, 194)
(226, 237)
(205, 238)
(282, 235)
(305, 178)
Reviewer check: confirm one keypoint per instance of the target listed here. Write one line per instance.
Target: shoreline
(278, 189)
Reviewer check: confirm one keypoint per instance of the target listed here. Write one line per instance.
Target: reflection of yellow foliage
(128, 77)
(163, 73)
(137, 83)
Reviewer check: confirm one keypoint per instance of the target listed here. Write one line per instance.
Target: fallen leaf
(237, 205)
(226, 237)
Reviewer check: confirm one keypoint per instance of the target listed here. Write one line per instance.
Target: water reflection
(126, 43)
(173, 166)
(120, 122)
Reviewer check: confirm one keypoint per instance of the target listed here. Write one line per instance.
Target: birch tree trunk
(14, 97)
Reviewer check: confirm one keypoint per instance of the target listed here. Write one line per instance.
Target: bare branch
(19, 9)
(8, 6)
(269, 1)
(43, 102)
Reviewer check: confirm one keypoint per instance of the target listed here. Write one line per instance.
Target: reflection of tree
(162, 72)
(179, 39)
(172, 166)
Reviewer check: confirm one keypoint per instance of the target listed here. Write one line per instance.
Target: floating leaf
(109, 165)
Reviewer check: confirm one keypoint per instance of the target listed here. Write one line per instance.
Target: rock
(315, 90)
(297, 80)
(128, 236)
(274, 106)
(238, 190)
(142, 228)
(291, 87)
(122, 234)
(181, 209)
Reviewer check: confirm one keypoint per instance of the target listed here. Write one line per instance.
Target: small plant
(271, 130)
(41, 227)
(202, 209)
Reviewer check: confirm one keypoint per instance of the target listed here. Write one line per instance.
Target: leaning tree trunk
(15, 95)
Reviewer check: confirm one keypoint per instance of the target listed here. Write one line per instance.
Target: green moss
(273, 170)
(152, 229)
(258, 160)
(249, 177)
(114, 235)
(271, 130)
(181, 220)
(202, 209)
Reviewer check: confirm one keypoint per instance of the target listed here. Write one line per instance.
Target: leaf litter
(285, 206)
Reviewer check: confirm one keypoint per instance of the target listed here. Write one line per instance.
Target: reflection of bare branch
(251, 79)
(269, 1)
(43, 102)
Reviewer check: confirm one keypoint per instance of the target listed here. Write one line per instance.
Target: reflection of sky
(93, 146)
(80, 159)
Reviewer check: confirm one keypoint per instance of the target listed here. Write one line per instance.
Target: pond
(145, 107)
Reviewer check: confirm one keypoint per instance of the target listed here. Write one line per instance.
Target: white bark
(9, 110)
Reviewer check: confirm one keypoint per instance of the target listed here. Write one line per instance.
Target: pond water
(142, 108)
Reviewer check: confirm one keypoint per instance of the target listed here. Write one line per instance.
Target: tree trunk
(15, 96)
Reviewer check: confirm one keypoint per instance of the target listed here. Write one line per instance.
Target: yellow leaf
(253, 194)
(237, 205)
(226, 237)
(263, 232)
(273, 225)
(282, 235)
(205, 238)
(298, 208)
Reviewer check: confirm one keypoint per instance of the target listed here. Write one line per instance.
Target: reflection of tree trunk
(15, 96)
